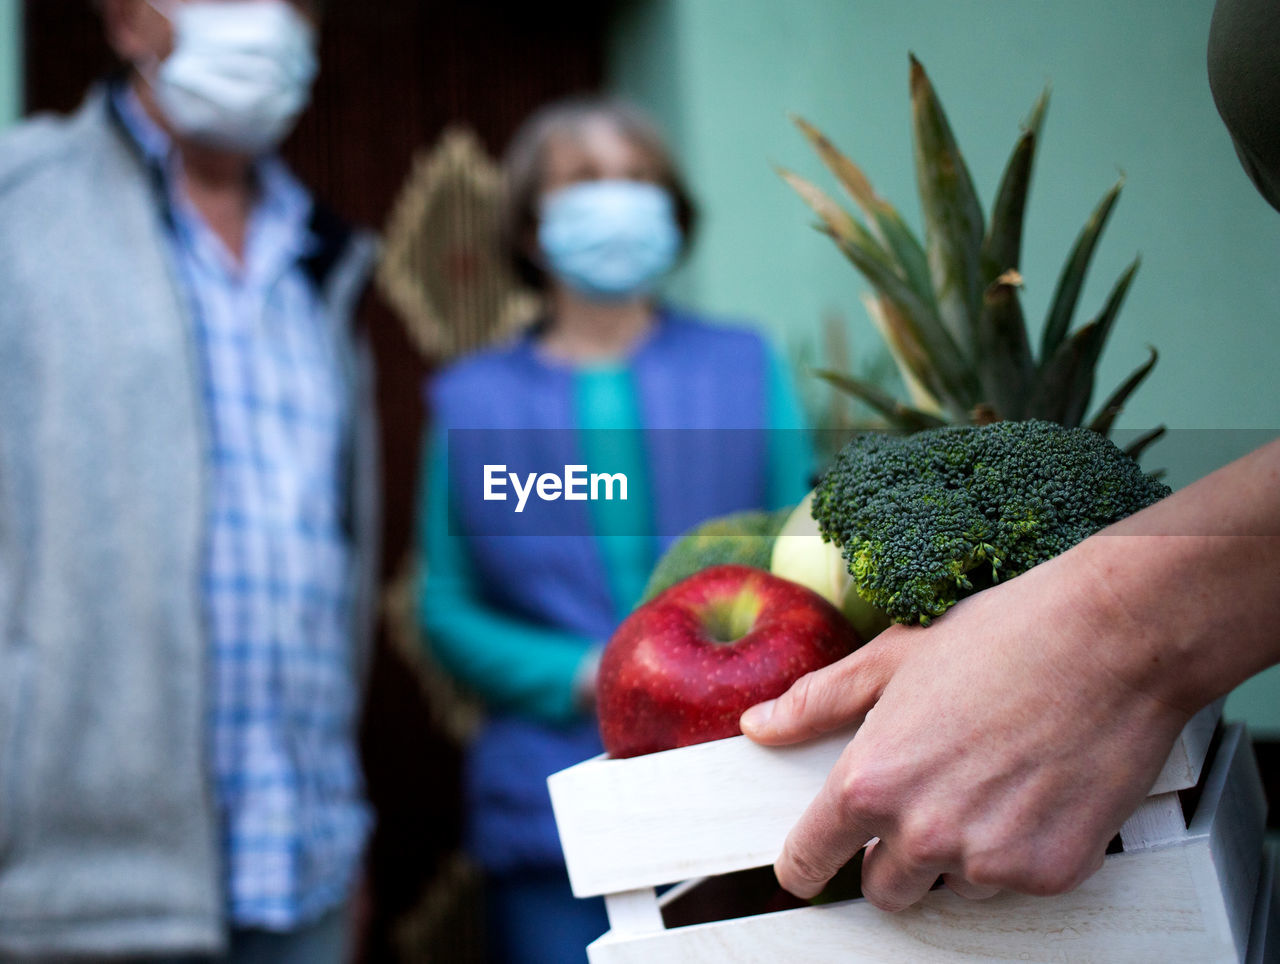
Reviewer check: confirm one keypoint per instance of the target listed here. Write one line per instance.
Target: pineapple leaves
(950, 309)
(1139, 445)
(1002, 247)
(1066, 380)
(945, 373)
(913, 364)
(936, 358)
(885, 222)
(1114, 405)
(1003, 353)
(836, 221)
(952, 213)
(899, 415)
(1065, 296)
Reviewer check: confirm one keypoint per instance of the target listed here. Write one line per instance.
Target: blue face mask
(609, 240)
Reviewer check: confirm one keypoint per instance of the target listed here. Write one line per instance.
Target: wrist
(1155, 639)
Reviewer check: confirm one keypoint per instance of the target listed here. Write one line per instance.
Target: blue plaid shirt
(282, 696)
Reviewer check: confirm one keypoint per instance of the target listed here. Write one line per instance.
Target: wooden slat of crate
(1264, 938)
(1182, 769)
(1159, 820)
(719, 807)
(693, 812)
(1186, 902)
(1232, 815)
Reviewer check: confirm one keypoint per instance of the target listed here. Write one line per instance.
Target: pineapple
(949, 309)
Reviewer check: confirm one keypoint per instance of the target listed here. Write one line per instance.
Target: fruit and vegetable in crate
(901, 527)
(684, 666)
(919, 521)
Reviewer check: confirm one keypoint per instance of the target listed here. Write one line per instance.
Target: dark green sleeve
(1244, 75)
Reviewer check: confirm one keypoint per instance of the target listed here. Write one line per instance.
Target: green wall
(10, 61)
(1129, 94)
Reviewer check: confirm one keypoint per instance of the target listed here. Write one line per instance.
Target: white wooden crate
(1264, 939)
(1178, 893)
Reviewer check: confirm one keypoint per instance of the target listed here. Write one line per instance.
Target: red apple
(682, 668)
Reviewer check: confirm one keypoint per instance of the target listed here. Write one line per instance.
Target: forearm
(1195, 581)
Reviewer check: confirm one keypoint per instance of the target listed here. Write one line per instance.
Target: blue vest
(512, 406)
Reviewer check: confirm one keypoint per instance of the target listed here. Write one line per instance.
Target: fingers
(967, 890)
(828, 698)
(822, 841)
(891, 880)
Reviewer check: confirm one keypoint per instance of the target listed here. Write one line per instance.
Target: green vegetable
(744, 538)
(924, 520)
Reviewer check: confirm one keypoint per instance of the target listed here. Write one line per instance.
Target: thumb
(828, 698)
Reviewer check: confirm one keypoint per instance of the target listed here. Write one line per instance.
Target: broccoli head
(924, 520)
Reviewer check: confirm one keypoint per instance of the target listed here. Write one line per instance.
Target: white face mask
(609, 240)
(240, 72)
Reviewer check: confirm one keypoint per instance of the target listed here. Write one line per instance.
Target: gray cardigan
(108, 836)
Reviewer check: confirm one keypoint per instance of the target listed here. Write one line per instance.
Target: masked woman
(518, 597)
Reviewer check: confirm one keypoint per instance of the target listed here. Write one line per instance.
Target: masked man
(187, 508)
